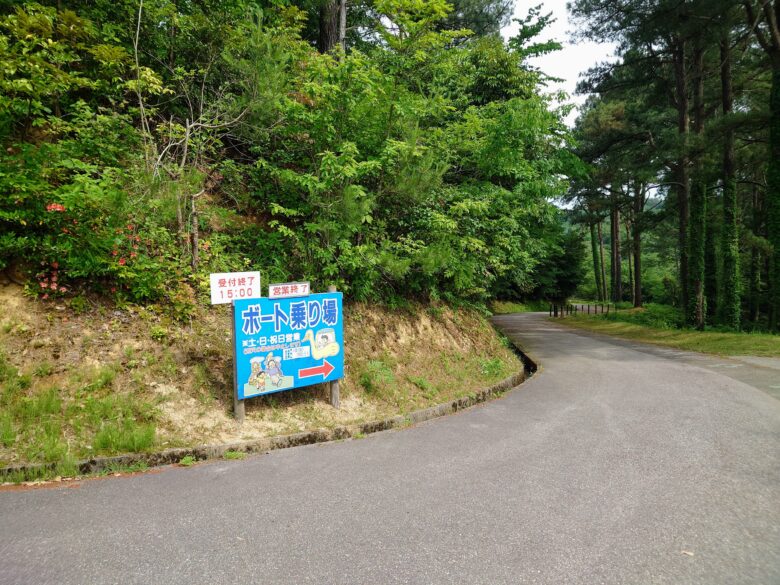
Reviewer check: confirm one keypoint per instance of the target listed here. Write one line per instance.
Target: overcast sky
(573, 59)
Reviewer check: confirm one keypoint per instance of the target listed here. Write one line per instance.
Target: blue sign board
(281, 344)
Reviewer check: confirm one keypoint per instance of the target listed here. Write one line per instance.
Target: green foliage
(376, 377)
(690, 108)
(651, 315)
(483, 17)
(7, 432)
(492, 368)
(188, 461)
(562, 271)
(420, 165)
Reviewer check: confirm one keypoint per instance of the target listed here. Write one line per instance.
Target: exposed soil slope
(106, 379)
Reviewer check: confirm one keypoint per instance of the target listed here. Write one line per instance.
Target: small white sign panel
(288, 290)
(227, 287)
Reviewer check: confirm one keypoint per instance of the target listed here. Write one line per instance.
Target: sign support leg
(334, 394)
(239, 411)
(334, 385)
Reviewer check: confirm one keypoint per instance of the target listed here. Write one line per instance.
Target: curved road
(615, 464)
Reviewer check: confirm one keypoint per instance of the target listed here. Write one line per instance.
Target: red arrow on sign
(325, 369)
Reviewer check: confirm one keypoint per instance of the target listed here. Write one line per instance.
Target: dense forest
(682, 138)
(394, 148)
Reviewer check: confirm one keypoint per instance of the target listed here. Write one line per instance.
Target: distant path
(612, 465)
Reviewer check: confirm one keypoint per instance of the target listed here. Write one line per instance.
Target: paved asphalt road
(614, 464)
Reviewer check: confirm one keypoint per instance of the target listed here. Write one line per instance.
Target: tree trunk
(617, 285)
(698, 206)
(730, 237)
(195, 233)
(711, 237)
(603, 267)
(594, 246)
(755, 284)
(629, 256)
(343, 25)
(329, 25)
(639, 207)
(683, 186)
(773, 198)
(755, 260)
(180, 222)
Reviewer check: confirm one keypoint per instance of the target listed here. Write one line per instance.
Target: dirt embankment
(87, 378)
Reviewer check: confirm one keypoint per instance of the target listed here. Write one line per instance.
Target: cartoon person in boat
(323, 344)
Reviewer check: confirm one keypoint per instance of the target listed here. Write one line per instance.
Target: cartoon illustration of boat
(323, 343)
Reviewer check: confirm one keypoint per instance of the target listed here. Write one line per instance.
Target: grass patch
(376, 377)
(493, 368)
(125, 437)
(103, 378)
(39, 407)
(659, 325)
(56, 425)
(114, 467)
(44, 369)
(234, 455)
(67, 467)
(7, 432)
(421, 383)
(506, 307)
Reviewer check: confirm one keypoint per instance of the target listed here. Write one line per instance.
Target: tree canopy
(148, 143)
(677, 142)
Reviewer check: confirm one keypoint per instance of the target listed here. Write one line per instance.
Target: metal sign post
(334, 385)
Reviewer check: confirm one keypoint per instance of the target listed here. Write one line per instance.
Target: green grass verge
(58, 421)
(659, 325)
(447, 376)
(506, 307)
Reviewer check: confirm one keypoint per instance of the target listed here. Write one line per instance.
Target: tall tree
(697, 237)
(730, 295)
(594, 246)
(763, 17)
(616, 275)
(639, 199)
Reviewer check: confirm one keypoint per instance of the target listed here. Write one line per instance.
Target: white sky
(573, 59)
